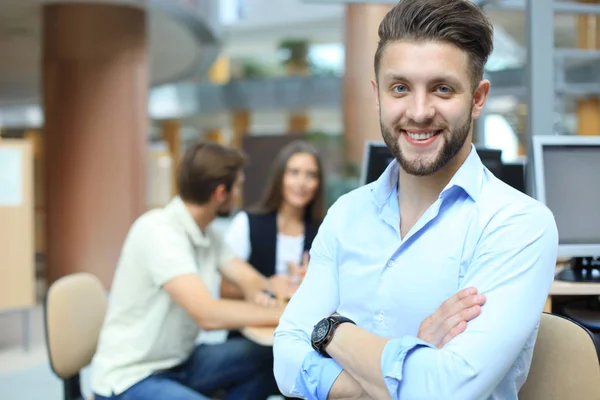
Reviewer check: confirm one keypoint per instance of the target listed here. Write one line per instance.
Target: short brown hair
(273, 193)
(205, 166)
(457, 22)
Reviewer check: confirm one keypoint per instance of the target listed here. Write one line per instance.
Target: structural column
(540, 77)
(95, 85)
(219, 74)
(361, 121)
(588, 38)
(240, 125)
(171, 133)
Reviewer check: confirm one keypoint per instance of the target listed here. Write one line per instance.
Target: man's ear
(480, 97)
(220, 193)
(375, 93)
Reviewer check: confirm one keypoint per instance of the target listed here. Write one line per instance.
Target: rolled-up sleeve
(299, 370)
(514, 267)
(317, 375)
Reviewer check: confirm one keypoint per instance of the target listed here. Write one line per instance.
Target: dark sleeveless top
(263, 241)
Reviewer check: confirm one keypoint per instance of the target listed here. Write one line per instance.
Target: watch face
(320, 331)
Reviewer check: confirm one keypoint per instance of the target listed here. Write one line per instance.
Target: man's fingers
(293, 268)
(466, 309)
(466, 292)
(448, 308)
(265, 300)
(305, 259)
(454, 312)
(457, 330)
(465, 303)
(470, 301)
(465, 315)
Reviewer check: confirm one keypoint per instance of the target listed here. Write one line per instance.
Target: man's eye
(399, 88)
(444, 89)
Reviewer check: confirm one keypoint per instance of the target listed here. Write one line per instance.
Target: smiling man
(428, 283)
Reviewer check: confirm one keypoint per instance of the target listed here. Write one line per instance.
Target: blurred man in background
(161, 297)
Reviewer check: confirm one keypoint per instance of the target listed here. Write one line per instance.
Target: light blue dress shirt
(479, 232)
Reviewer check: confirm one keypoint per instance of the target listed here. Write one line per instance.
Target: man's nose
(420, 109)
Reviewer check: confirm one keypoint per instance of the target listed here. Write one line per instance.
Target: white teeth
(421, 136)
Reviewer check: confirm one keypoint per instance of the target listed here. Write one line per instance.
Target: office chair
(73, 311)
(566, 362)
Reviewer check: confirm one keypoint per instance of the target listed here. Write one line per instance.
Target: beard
(454, 140)
(224, 212)
(225, 209)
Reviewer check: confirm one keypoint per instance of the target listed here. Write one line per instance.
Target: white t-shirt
(145, 331)
(289, 248)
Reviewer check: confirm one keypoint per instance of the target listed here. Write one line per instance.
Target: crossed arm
(515, 276)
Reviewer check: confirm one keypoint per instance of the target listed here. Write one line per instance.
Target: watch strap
(335, 321)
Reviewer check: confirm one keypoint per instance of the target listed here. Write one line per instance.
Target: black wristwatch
(324, 330)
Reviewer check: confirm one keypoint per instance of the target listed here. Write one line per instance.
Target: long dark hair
(273, 193)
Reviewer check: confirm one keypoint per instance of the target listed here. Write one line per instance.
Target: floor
(26, 374)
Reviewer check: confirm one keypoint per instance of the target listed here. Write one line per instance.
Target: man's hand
(266, 298)
(281, 286)
(299, 271)
(451, 318)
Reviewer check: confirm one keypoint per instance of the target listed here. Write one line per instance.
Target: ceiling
(263, 25)
(20, 46)
(176, 49)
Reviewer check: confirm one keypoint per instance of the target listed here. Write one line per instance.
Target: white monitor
(567, 180)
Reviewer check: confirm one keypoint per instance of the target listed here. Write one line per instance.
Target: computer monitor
(514, 175)
(377, 157)
(567, 180)
(492, 159)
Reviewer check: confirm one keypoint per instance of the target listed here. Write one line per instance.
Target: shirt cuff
(393, 357)
(316, 377)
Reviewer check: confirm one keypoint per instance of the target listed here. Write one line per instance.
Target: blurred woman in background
(275, 236)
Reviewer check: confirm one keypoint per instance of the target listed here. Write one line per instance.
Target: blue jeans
(243, 370)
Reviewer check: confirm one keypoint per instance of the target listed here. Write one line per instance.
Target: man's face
(231, 198)
(426, 104)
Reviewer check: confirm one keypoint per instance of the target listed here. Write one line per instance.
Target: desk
(561, 288)
(262, 335)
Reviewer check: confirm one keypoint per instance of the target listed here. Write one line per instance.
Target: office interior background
(98, 100)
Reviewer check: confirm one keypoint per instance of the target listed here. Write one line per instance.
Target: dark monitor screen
(513, 174)
(492, 159)
(377, 157)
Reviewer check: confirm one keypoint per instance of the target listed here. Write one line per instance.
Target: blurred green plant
(296, 53)
(251, 69)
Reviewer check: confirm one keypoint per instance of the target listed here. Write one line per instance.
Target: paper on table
(11, 184)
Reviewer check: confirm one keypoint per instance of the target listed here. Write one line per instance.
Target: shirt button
(380, 316)
(390, 263)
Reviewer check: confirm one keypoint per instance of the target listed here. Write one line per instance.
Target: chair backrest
(565, 362)
(74, 311)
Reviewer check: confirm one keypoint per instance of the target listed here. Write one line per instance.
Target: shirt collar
(469, 177)
(177, 209)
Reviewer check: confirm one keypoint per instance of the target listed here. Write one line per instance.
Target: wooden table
(562, 288)
(264, 335)
(261, 335)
